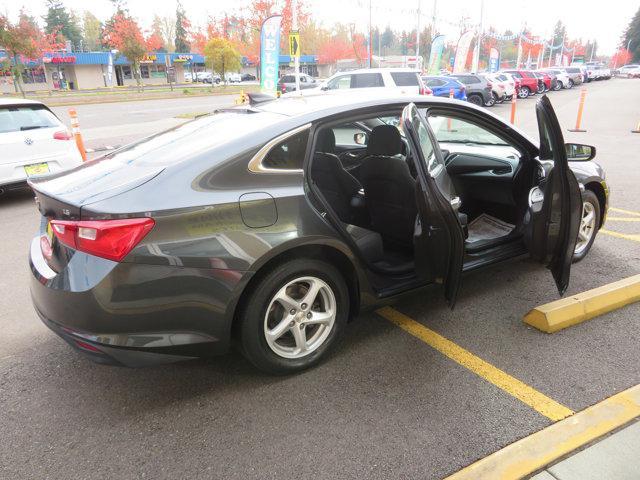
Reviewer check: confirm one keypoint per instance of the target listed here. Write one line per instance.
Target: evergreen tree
(182, 24)
(559, 33)
(632, 34)
(91, 32)
(59, 20)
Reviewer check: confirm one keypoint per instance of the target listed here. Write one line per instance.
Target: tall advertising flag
(437, 45)
(270, 53)
(494, 60)
(462, 51)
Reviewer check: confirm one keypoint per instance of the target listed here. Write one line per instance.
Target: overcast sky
(586, 19)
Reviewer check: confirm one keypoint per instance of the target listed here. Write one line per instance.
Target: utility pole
(296, 59)
(476, 52)
(433, 19)
(418, 37)
(370, 37)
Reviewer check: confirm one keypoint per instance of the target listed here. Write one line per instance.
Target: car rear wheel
(524, 92)
(475, 99)
(570, 84)
(589, 224)
(559, 86)
(294, 316)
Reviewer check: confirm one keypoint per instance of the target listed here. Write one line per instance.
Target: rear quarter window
(405, 79)
(30, 117)
(288, 154)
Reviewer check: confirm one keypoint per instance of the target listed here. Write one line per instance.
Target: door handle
(456, 203)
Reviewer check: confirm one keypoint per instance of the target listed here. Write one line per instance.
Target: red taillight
(62, 135)
(284, 88)
(425, 90)
(110, 239)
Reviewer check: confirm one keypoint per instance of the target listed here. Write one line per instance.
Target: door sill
(473, 261)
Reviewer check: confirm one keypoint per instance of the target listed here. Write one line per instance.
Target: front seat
(337, 185)
(389, 187)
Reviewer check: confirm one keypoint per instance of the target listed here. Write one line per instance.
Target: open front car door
(438, 235)
(555, 205)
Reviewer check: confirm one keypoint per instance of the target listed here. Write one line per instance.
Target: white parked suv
(630, 71)
(402, 80)
(33, 142)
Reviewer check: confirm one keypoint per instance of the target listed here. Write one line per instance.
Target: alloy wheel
(300, 317)
(587, 227)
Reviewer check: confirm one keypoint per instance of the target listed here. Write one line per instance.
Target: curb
(542, 448)
(566, 312)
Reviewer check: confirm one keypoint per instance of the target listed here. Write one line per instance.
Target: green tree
(222, 56)
(91, 31)
(387, 40)
(632, 34)
(182, 29)
(59, 20)
(559, 33)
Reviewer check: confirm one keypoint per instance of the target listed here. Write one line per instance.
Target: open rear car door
(438, 235)
(555, 205)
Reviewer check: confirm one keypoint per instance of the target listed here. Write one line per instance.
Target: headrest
(384, 140)
(326, 141)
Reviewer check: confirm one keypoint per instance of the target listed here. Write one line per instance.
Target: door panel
(438, 236)
(555, 205)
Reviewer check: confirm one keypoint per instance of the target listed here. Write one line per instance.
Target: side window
(449, 129)
(435, 82)
(405, 79)
(426, 145)
(366, 80)
(338, 83)
(288, 154)
(345, 135)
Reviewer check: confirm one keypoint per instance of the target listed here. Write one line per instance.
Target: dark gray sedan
(271, 225)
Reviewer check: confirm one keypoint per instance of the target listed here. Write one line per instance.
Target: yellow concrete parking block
(523, 392)
(537, 451)
(575, 309)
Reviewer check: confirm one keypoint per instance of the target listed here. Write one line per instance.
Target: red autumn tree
(123, 33)
(621, 57)
(24, 41)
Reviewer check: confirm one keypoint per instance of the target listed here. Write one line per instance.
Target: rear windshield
(26, 117)
(573, 70)
(405, 79)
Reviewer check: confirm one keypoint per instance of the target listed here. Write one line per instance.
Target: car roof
(379, 70)
(18, 101)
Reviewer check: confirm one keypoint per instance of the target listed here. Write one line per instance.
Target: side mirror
(577, 152)
(361, 138)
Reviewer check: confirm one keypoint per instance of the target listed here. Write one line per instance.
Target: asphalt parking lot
(386, 404)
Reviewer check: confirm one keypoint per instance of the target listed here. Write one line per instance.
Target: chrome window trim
(255, 164)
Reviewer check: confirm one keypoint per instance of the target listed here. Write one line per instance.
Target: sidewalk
(616, 457)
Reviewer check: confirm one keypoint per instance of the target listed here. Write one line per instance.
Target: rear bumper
(134, 314)
(14, 172)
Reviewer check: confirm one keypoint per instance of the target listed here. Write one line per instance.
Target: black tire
(475, 99)
(524, 92)
(559, 86)
(570, 84)
(591, 197)
(252, 315)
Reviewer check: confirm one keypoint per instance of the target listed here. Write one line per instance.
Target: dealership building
(92, 70)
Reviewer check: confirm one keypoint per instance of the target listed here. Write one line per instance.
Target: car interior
(366, 173)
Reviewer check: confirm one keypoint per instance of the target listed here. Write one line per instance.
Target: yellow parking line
(542, 448)
(623, 219)
(628, 212)
(523, 392)
(626, 236)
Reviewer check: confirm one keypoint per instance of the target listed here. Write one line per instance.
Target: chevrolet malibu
(269, 226)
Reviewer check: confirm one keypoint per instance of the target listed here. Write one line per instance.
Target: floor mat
(486, 227)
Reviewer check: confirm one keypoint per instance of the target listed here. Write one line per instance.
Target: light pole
(296, 59)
